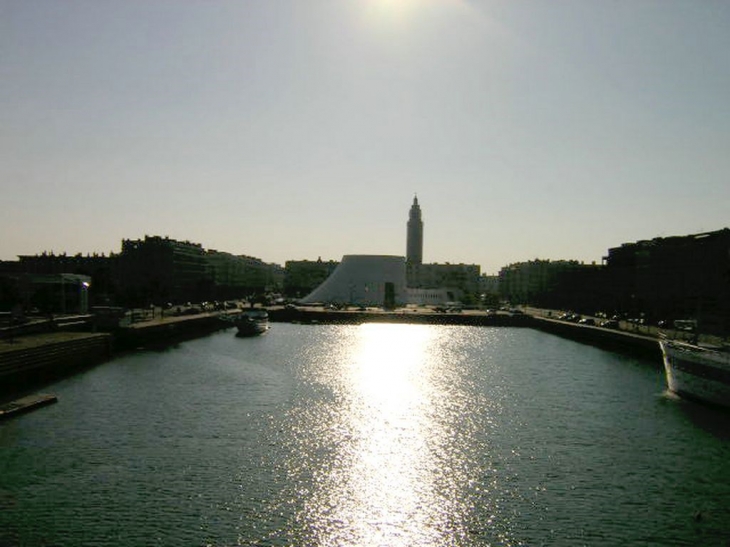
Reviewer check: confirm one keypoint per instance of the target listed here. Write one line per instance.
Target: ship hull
(696, 372)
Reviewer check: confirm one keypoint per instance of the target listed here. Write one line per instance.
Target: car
(609, 324)
(587, 321)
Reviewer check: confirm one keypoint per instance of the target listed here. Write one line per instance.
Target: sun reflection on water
(384, 481)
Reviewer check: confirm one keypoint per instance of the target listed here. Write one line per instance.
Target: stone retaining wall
(51, 357)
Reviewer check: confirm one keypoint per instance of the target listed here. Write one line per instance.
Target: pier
(26, 404)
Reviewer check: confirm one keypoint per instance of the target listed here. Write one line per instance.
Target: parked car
(587, 321)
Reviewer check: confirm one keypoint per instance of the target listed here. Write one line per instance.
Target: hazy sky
(302, 129)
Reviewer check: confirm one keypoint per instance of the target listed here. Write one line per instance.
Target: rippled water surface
(382, 435)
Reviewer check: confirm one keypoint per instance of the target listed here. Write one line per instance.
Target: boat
(252, 322)
(697, 372)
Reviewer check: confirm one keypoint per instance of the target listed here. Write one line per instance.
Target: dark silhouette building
(665, 278)
(237, 276)
(562, 284)
(43, 277)
(414, 243)
(682, 277)
(303, 276)
(159, 270)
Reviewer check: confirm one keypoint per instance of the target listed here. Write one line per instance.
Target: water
(381, 435)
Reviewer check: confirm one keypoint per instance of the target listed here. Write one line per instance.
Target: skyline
(270, 129)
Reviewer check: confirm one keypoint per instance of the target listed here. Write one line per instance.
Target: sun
(402, 11)
(405, 11)
(395, 9)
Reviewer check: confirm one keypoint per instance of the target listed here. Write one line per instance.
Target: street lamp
(84, 297)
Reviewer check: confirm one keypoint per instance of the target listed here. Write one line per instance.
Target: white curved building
(367, 280)
(373, 280)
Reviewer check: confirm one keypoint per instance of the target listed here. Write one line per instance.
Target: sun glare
(381, 491)
(404, 10)
(394, 8)
(388, 362)
(405, 23)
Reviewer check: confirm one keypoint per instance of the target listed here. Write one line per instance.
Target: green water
(367, 435)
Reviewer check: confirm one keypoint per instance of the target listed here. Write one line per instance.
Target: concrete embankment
(167, 330)
(322, 316)
(36, 358)
(611, 339)
(32, 359)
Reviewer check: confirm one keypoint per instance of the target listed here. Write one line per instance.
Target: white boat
(697, 372)
(252, 322)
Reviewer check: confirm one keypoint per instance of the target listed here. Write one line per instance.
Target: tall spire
(414, 243)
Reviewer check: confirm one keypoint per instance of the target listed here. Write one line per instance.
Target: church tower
(414, 244)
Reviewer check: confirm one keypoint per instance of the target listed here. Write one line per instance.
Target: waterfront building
(373, 280)
(364, 280)
(303, 276)
(412, 281)
(462, 277)
(679, 277)
(153, 270)
(62, 293)
(238, 276)
(51, 263)
(159, 269)
(41, 274)
(488, 284)
(562, 284)
(9, 290)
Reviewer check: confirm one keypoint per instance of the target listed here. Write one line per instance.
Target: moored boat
(697, 372)
(252, 322)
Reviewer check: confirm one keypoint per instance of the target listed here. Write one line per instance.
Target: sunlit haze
(296, 130)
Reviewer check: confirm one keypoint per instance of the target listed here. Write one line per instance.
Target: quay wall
(56, 354)
(167, 331)
(610, 339)
(45, 357)
(314, 316)
(37, 357)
